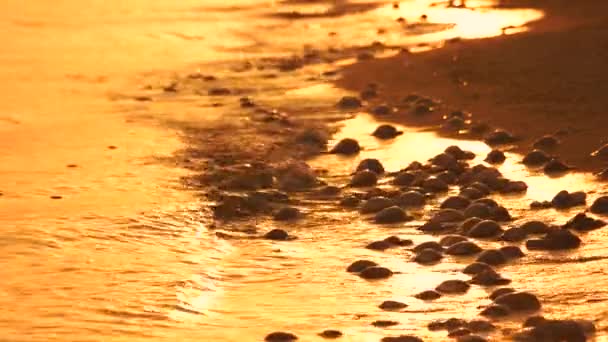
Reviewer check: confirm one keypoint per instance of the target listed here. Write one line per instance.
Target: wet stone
(364, 178)
(514, 187)
(428, 256)
(489, 278)
(583, 223)
(499, 137)
(434, 184)
(492, 257)
(330, 334)
(448, 216)
(453, 287)
(404, 179)
(276, 235)
(514, 235)
(350, 201)
(397, 241)
(287, 214)
(471, 193)
(382, 109)
(411, 199)
(495, 157)
(371, 164)
(501, 291)
(433, 227)
(346, 146)
(428, 295)
(463, 248)
(444, 160)
(454, 124)
(467, 224)
(280, 336)
(546, 142)
(459, 332)
(376, 204)
(602, 175)
(535, 227)
(537, 205)
(512, 252)
(360, 265)
(456, 202)
(376, 272)
(386, 132)
(454, 323)
(519, 301)
(391, 305)
(379, 245)
(401, 338)
(556, 330)
(536, 158)
(501, 214)
(479, 210)
(556, 240)
(349, 102)
(495, 311)
(384, 323)
(564, 199)
(554, 167)
(600, 206)
(451, 240)
(458, 153)
(485, 229)
(428, 245)
(483, 188)
(476, 268)
(480, 326)
(392, 214)
(471, 338)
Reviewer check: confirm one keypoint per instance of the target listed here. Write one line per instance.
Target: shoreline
(532, 84)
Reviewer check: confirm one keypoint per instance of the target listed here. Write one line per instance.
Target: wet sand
(546, 81)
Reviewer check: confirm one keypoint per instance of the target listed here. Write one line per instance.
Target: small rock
(519, 301)
(386, 132)
(514, 187)
(392, 214)
(428, 256)
(499, 137)
(379, 245)
(428, 295)
(601, 153)
(501, 291)
(564, 199)
(360, 265)
(467, 224)
(411, 199)
(476, 268)
(558, 330)
(489, 278)
(495, 311)
(397, 241)
(364, 178)
(514, 235)
(346, 146)
(555, 240)
(219, 91)
(471, 193)
(448, 216)
(495, 157)
(331, 334)
(555, 166)
(546, 142)
(533, 321)
(463, 248)
(404, 178)
(376, 204)
(456, 202)
(444, 160)
(280, 336)
(350, 201)
(485, 229)
(471, 338)
(479, 210)
(349, 102)
(428, 245)
(600, 206)
(536, 158)
(453, 287)
(391, 305)
(434, 184)
(459, 154)
(501, 214)
(451, 240)
(371, 164)
(480, 326)
(384, 323)
(375, 272)
(535, 227)
(401, 338)
(287, 214)
(583, 223)
(537, 205)
(492, 257)
(602, 175)
(459, 332)
(512, 252)
(276, 235)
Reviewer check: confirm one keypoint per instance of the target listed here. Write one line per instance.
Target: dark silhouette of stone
(583, 223)
(346, 146)
(397, 241)
(556, 240)
(379, 245)
(428, 245)
(428, 295)
(489, 278)
(453, 287)
(458, 153)
(448, 216)
(401, 338)
(546, 142)
(405, 178)
(364, 178)
(287, 214)
(427, 257)
(514, 187)
(479, 210)
(501, 214)
(392, 214)
(456, 202)
(564, 199)
(500, 291)
(360, 265)
(512, 252)
(331, 334)
(384, 323)
(376, 204)
(276, 235)
(476, 268)
(411, 199)
(391, 305)
(382, 109)
(471, 193)
(538, 205)
(459, 332)
(434, 184)
(371, 164)
(492, 257)
(557, 330)
(519, 301)
(555, 167)
(451, 240)
(350, 201)
(463, 248)
(386, 132)
(536, 158)
(376, 272)
(495, 157)
(535, 227)
(514, 235)
(471, 338)
(499, 137)
(601, 153)
(600, 206)
(495, 311)
(467, 224)
(280, 336)
(480, 326)
(485, 229)
(349, 102)
(444, 160)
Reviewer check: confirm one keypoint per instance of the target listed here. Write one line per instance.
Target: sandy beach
(545, 81)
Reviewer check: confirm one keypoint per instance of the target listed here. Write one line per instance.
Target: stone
(296, 176)
(546, 142)
(501, 214)
(392, 214)
(346, 146)
(495, 157)
(500, 291)
(391, 305)
(287, 214)
(350, 201)
(428, 295)
(485, 229)
(495, 311)
(427, 257)
(376, 272)
(479, 210)
(454, 124)
(376, 204)
(432, 227)
(564, 199)
(489, 278)
(538, 205)
(276, 235)
(456, 202)
(397, 241)
(512, 252)
(428, 245)
(411, 199)
(463, 248)
(280, 336)
(453, 287)
(555, 240)
(480, 326)
(371, 164)
(583, 223)
(444, 160)
(519, 301)
(558, 330)
(515, 234)
(459, 332)
(483, 188)
(471, 193)
(476, 268)
(448, 216)
(514, 187)
(471, 338)
(434, 184)
(458, 153)
(451, 240)
(492, 257)
(600, 206)
(364, 178)
(554, 167)
(467, 224)
(360, 265)
(401, 338)
(536, 158)
(379, 245)
(386, 132)
(384, 323)
(382, 109)
(499, 137)
(349, 102)
(535, 227)
(330, 334)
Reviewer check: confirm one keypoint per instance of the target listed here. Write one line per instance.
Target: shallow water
(127, 253)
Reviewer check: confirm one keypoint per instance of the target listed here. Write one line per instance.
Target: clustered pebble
(463, 221)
